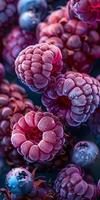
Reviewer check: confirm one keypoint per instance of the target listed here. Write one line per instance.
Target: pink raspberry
(78, 41)
(86, 10)
(38, 136)
(70, 185)
(36, 64)
(2, 72)
(15, 42)
(73, 97)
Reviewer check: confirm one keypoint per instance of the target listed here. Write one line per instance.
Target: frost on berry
(36, 64)
(38, 136)
(73, 97)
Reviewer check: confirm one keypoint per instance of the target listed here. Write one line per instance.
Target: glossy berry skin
(8, 13)
(28, 21)
(85, 153)
(70, 185)
(78, 41)
(86, 10)
(2, 72)
(36, 64)
(19, 181)
(14, 42)
(73, 97)
(38, 136)
(39, 7)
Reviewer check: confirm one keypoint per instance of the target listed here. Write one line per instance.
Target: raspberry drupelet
(79, 42)
(14, 42)
(8, 14)
(73, 97)
(86, 10)
(36, 64)
(38, 136)
(71, 185)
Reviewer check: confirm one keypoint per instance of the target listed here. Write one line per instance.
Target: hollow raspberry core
(34, 135)
(64, 102)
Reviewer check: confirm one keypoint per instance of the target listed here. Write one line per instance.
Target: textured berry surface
(79, 42)
(19, 181)
(73, 97)
(36, 64)
(85, 153)
(86, 10)
(38, 136)
(15, 42)
(70, 185)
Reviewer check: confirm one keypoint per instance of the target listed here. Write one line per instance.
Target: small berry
(38, 136)
(28, 21)
(36, 64)
(85, 153)
(73, 97)
(19, 181)
(70, 185)
(39, 7)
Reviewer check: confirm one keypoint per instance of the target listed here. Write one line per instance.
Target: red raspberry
(2, 72)
(87, 10)
(70, 185)
(73, 97)
(15, 42)
(38, 136)
(78, 41)
(36, 64)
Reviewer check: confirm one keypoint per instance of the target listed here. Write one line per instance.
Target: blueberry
(84, 153)
(28, 21)
(19, 181)
(38, 6)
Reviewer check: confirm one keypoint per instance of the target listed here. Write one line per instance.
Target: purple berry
(73, 97)
(70, 185)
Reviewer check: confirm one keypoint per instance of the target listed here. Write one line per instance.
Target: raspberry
(38, 136)
(13, 104)
(88, 11)
(8, 12)
(36, 64)
(70, 185)
(78, 41)
(2, 72)
(73, 97)
(14, 42)
(4, 194)
(85, 153)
